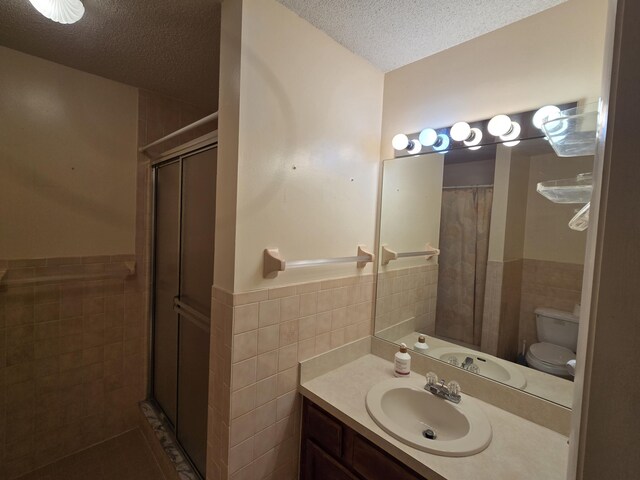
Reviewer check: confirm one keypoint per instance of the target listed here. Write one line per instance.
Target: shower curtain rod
(467, 186)
(191, 126)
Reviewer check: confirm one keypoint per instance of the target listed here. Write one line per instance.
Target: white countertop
(519, 450)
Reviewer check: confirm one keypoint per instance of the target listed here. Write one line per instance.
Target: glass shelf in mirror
(572, 133)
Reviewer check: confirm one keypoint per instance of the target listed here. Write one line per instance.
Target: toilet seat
(550, 358)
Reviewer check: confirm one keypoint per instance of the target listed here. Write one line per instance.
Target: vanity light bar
(506, 129)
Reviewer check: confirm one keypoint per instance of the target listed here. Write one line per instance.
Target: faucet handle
(432, 378)
(453, 387)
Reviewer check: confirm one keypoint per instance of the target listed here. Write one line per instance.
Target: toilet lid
(552, 354)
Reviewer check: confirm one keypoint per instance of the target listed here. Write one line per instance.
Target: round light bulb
(511, 144)
(558, 126)
(460, 131)
(400, 141)
(475, 148)
(428, 137)
(474, 139)
(61, 11)
(499, 125)
(543, 114)
(414, 147)
(513, 133)
(442, 144)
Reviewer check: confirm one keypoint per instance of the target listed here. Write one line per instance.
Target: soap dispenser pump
(402, 363)
(421, 344)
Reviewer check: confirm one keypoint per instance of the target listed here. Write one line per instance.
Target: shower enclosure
(183, 250)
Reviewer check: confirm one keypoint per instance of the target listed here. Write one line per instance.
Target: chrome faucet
(467, 363)
(449, 391)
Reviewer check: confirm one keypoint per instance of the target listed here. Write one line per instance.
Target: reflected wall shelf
(580, 221)
(568, 190)
(573, 132)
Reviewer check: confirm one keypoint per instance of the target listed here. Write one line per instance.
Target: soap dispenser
(421, 344)
(402, 363)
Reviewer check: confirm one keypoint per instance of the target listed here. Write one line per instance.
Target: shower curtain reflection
(464, 244)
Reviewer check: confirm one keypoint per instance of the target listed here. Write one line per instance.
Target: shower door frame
(199, 145)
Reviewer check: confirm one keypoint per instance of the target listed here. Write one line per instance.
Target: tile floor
(125, 457)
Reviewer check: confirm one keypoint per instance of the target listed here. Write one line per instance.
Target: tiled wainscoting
(514, 290)
(72, 359)
(405, 294)
(257, 340)
(501, 317)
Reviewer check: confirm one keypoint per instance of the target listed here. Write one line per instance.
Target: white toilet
(558, 338)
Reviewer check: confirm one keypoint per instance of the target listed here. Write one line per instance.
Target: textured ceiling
(394, 33)
(168, 46)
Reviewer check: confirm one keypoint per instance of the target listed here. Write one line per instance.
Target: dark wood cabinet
(332, 451)
(321, 466)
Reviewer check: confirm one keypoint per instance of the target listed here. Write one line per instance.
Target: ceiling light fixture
(513, 133)
(414, 147)
(545, 113)
(402, 142)
(61, 11)
(428, 137)
(460, 131)
(499, 125)
(474, 138)
(441, 144)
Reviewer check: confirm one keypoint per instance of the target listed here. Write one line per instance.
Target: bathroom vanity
(341, 440)
(330, 449)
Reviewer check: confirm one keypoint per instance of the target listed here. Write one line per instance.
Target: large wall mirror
(501, 299)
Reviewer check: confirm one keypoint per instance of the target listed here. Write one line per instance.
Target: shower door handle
(189, 313)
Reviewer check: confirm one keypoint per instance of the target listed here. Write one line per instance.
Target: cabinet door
(374, 464)
(321, 466)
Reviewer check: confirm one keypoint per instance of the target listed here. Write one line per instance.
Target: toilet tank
(557, 327)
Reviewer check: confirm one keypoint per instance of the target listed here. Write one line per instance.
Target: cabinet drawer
(373, 464)
(323, 430)
(320, 466)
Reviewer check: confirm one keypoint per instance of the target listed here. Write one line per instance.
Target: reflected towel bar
(130, 269)
(388, 255)
(274, 263)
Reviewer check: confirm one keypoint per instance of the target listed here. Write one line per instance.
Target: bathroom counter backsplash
(519, 448)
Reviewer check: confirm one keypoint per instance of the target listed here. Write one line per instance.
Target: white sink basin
(488, 366)
(403, 409)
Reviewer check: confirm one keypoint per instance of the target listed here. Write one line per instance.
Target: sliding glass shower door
(183, 274)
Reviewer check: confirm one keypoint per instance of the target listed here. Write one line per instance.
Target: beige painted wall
(552, 57)
(228, 125)
(497, 229)
(411, 207)
(516, 217)
(547, 236)
(67, 161)
(524, 224)
(475, 172)
(308, 147)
